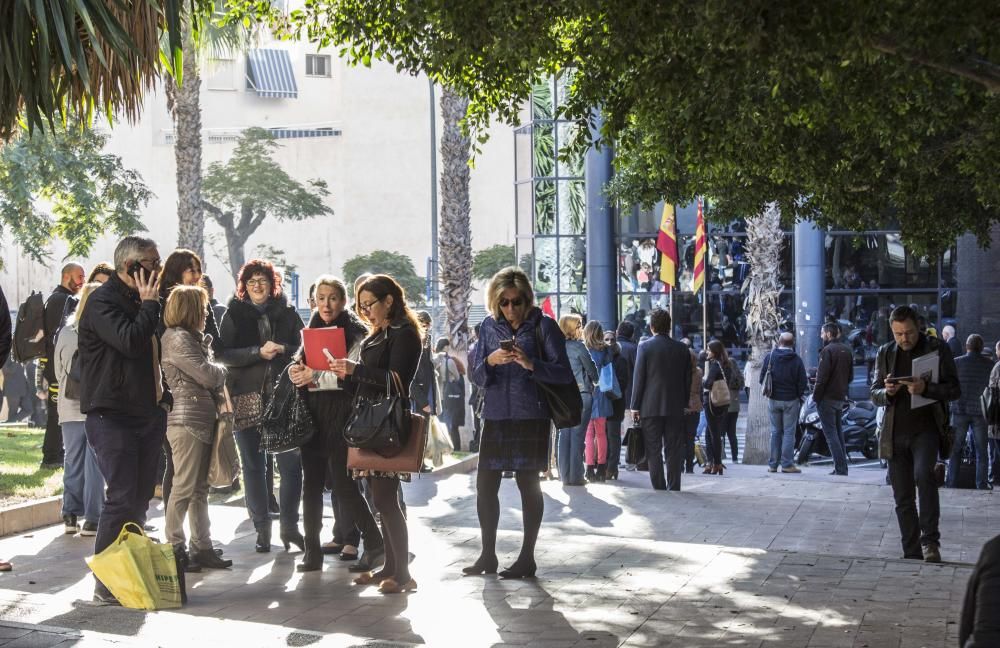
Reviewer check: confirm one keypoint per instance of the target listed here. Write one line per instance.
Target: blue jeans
(571, 442)
(830, 415)
(962, 423)
(83, 486)
(784, 417)
(255, 485)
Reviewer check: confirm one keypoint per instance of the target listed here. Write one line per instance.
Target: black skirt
(511, 444)
(330, 410)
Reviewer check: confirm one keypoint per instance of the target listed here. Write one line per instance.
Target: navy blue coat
(510, 392)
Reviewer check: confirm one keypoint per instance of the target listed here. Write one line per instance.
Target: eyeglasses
(517, 302)
(258, 282)
(153, 262)
(366, 308)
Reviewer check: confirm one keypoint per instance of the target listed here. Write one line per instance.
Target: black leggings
(397, 538)
(488, 508)
(731, 418)
(713, 435)
(351, 505)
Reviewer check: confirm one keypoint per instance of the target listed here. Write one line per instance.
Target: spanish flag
(666, 243)
(699, 251)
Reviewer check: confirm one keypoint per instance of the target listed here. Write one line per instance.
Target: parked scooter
(859, 431)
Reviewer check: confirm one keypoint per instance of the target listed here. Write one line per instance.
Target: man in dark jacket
(973, 375)
(788, 388)
(5, 329)
(56, 311)
(661, 387)
(911, 436)
(625, 337)
(122, 388)
(980, 624)
(836, 364)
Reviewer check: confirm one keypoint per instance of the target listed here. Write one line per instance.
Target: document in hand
(926, 367)
(316, 341)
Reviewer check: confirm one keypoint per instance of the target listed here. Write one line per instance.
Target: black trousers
(664, 435)
(127, 449)
(911, 470)
(52, 444)
(731, 419)
(691, 421)
(716, 419)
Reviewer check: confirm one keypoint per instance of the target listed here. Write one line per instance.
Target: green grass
(20, 477)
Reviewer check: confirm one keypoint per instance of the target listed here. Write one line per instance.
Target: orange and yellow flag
(700, 245)
(666, 243)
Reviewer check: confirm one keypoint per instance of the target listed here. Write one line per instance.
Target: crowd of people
(143, 362)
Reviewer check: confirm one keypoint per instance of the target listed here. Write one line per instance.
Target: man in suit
(661, 387)
(980, 624)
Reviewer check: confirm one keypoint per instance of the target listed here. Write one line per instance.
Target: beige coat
(194, 380)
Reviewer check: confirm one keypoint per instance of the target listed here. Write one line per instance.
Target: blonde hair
(85, 293)
(570, 325)
(186, 308)
(333, 282)
(593, 336)
(510, 277)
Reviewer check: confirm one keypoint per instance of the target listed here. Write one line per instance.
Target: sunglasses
(517, 302)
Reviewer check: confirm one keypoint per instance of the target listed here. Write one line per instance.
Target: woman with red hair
(260, 334)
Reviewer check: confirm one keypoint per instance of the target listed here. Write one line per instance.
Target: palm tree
(765, 241)
(184, 103)
(81, 55)
(455, 237)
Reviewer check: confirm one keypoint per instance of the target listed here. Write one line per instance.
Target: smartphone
(133, 269)
(507, 345)
(329, 356)
(899, 379)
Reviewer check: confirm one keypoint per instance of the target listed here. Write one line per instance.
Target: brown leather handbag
(408, 459)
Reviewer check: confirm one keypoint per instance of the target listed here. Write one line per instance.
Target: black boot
(263, 544)
(312, 559)
(591, 473)
(602, 472)
(292, 537)
(181, 561)
(209, 559)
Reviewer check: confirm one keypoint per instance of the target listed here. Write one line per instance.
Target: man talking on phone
(122, 388)
(912, 435)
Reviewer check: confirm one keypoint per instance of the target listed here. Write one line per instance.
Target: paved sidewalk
(746, 559)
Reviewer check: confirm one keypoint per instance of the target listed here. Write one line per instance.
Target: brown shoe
(791, 469)
(709, 470)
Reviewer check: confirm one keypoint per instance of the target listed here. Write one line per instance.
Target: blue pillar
(602, 269)
(810, 290)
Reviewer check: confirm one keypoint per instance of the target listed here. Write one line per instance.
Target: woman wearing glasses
(517, 345)
(260, 333)
(393, 347)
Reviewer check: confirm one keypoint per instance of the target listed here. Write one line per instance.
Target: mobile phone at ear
(133, 269)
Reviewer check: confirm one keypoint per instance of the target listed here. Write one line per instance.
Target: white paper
(926, 367)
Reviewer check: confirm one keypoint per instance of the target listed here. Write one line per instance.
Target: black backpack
(29, 330)
(454, 390)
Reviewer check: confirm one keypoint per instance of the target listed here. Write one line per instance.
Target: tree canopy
(492, 260)
(62, 58)
(396, 265)
(242, 193)
(60, 184)
(855, 114)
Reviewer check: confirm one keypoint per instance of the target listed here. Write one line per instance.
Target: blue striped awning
(270, 73)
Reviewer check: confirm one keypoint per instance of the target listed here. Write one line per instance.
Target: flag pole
(704, 284)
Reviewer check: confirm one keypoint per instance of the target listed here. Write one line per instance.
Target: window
(318, 65)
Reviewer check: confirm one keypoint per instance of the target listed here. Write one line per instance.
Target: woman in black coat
(719, 368)
(260, 334)
(394, 347)
(330, 404)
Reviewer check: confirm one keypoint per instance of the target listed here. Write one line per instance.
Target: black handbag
(635, 446)
(990, 402)
(768, 387)
(564, 400)
(287, 422)
(381, 424)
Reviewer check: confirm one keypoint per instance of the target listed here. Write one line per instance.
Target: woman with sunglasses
(393, 347)
(517, 345)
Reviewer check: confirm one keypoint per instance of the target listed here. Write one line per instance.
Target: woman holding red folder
(330, 406)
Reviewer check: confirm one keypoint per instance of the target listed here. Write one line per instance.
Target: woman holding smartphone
(517, 346)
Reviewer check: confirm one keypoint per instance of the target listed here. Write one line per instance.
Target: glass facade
(551, 201)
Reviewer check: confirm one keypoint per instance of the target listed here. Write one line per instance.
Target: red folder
(315, 340)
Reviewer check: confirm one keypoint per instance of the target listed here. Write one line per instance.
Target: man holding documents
(915, 378)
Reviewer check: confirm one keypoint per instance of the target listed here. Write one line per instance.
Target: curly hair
(258, 266)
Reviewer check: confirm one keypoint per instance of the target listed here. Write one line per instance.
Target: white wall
(377, 171)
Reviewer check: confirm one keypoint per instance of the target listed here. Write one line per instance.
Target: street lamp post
(432, 266)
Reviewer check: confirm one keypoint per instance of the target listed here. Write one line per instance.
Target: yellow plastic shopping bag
(141, 573)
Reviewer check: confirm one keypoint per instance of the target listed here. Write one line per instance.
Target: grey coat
(66, 345)
(945, 390)
(194, 380)
(584, 369)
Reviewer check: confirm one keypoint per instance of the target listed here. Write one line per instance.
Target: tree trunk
(184, 104)
(455, 237)
(764, 317)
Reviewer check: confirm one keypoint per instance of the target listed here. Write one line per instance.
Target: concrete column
(810, 291)
(602, 269)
